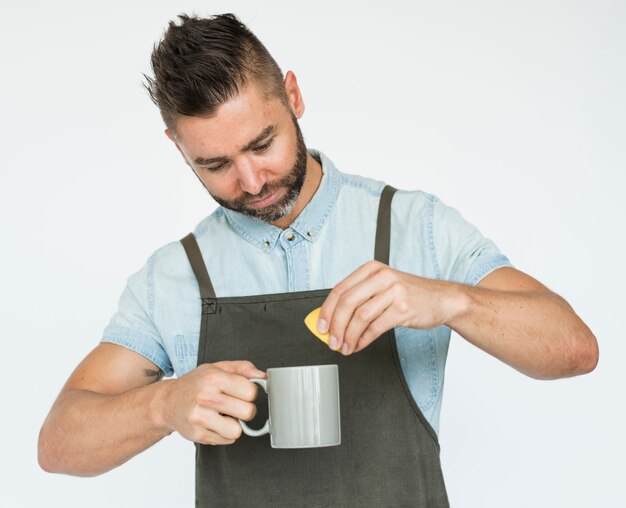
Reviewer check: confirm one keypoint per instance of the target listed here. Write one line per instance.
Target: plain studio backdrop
(513, 112)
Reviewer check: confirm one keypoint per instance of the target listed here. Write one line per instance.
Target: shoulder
(415, 202)
(407, 204)
(168, 259)
(357, 184)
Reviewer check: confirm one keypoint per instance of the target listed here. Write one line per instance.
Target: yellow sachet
(311, 323)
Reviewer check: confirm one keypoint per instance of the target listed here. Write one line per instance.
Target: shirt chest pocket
(186, 352)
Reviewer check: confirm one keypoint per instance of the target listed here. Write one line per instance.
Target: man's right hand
(204, 404)
(113, 406)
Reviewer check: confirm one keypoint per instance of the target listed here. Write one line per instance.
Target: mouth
(266, 201)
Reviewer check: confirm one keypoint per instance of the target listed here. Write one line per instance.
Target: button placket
(296, 255)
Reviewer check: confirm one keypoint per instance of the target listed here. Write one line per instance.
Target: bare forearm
(88, 433)
(536, 332)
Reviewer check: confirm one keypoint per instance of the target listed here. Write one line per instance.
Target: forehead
(233, 125)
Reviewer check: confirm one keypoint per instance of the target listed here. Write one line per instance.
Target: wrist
(458, 302)
(158, 405)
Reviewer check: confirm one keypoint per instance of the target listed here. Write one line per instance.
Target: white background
(511, 111)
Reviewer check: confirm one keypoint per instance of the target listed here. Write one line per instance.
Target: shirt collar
(310, 221)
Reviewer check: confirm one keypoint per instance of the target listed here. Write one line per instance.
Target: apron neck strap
(197, 264)
(383, 226)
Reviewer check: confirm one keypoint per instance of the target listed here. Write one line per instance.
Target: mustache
(266, 190)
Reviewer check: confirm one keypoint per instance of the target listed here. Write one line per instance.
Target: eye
(263, 147)
(215, 169)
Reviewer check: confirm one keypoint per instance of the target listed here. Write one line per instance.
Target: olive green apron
(389, 454)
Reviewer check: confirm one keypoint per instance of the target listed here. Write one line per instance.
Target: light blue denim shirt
(159, 311)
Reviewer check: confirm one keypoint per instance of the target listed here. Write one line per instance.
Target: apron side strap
(383, 225)
(197, 264)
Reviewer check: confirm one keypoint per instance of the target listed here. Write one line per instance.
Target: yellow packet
(311, 323)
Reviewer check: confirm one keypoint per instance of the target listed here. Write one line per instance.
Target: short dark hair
(203, 62)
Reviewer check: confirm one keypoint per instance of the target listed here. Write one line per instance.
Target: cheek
(281, 159)
(221, 185)
(276, 164)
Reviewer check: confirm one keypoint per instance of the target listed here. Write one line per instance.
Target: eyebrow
(203, 161)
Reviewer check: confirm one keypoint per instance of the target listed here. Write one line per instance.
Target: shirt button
(291, 237)
(266, 244)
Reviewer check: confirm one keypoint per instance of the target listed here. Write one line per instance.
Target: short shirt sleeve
(132, 325)
(463, 254)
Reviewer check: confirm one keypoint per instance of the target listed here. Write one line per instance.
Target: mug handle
(266, 428)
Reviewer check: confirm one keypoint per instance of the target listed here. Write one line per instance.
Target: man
(228, 302)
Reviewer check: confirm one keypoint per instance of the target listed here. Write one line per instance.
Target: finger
(376, 328)
(378, 283)
(328, 307)
(229, 406)
(217, 381)
(363, 317)
(208, 437)
(210, 422)
(241, 367)
(227, 427)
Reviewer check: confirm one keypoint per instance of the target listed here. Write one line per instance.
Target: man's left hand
(376, 298)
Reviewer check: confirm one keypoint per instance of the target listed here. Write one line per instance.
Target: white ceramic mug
(303, 407)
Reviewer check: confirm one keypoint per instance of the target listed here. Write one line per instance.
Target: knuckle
(238, 431)
(348, 338)
(403, 307)
(379, 268)
(195, 419)
(199, 436)
(201, 369)
(211, 377)
(366, 338)
(247, 411)
(363, 314)
(234, 431)
(350, 298)
(398, 288)
(374, 330)
(336, 292)
(252, 392)
(251, 413)
(344, 299)
(388, 275)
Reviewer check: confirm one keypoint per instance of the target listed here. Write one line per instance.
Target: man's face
(250, 155)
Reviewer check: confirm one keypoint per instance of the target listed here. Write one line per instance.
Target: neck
(309, 187)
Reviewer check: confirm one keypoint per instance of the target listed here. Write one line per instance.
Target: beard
(292, 183)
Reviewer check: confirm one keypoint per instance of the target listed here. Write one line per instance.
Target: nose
(251, 178)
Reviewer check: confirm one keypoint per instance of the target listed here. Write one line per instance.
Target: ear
(170, 135)
(296, 103)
